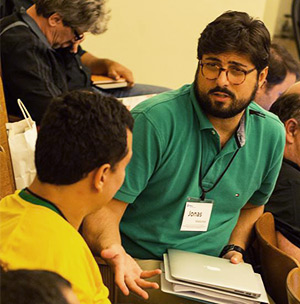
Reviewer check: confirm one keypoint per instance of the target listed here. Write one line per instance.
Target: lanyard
(219, 178)
(38, 200)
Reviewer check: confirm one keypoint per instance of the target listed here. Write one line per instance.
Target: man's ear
(261, 91)
(55, 19)
(262, 79)
(100, 176)
(291, 129)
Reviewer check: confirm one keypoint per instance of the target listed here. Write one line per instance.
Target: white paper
(131, 102)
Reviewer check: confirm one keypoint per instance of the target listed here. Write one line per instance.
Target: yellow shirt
(36, 237)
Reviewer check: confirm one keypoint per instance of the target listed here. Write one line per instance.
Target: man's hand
(75, 45)
(116, 70)
(107, 67)
(234, 257)
(128, 274)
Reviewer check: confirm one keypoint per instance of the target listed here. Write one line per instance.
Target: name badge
(196, 215)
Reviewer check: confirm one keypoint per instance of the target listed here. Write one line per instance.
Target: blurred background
(157, 39)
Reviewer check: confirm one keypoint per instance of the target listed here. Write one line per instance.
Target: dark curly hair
(32, 286)
(239, 33)
(80, 131)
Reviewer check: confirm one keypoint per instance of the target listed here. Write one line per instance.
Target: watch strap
(232, 247)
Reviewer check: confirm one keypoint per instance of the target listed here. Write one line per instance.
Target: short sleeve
(146, 157)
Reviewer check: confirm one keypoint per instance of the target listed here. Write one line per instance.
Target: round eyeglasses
(235, 75)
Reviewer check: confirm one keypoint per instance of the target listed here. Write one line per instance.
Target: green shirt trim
(39, 201)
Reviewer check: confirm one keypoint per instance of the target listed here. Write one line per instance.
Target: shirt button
(213, 132)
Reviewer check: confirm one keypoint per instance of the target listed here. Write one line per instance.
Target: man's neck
(68, 199)
(225, 127)
(291, 153)
(40, 21)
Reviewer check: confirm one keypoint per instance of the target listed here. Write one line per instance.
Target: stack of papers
(131, 102)
(207, 294)
(106, 83)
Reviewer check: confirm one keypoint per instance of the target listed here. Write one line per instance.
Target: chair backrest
(296, 22)
(275, 264)
(7, 183)
(108, 278)
(293, 286)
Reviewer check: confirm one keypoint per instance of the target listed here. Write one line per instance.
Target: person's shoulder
(164, 101)
(29, 216)
(15, 31)
(292, 170)
(270, 120)
(11, 23)
(11, 202)
(5, 21)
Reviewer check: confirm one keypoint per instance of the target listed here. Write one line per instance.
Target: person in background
(82, 149)
(295, 88)
(203, 163)
(41, 57)
(284, 202)
(25, 286)
(284, 71)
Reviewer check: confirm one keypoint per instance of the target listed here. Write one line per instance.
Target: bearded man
(205, 161)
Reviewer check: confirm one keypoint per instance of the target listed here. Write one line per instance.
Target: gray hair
(84, 15)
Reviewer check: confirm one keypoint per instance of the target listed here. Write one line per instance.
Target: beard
(218, 109)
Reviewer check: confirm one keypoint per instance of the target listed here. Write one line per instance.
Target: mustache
(222, 90)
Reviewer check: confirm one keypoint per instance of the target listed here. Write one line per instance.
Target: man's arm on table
(107, 67)
(101, 231)
(243, 230)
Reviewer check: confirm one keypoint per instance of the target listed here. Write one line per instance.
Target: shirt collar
(34, 27)
(37, 200)
(204, 122)
(291, 163)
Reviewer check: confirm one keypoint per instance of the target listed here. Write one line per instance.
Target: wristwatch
(232, 247)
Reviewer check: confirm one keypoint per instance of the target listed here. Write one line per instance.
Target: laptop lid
(213, 272)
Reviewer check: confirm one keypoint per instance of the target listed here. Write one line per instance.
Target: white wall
(284, 8)
(272, 10)
(157, 39)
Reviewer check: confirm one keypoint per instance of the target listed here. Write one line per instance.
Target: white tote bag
(22, 137)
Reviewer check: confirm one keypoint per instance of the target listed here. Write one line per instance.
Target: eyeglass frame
(77, 36)
(227, 71)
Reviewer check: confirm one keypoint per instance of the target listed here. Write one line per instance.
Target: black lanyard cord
(218, 180)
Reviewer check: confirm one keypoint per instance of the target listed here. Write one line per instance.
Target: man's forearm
(97, 66)
(101, 229)
(241, 234)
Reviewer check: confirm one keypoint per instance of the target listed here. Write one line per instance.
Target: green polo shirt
(172, 137)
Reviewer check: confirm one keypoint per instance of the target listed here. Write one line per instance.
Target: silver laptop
(213, 272)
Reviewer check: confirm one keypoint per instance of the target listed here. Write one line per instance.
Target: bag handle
(25, 113)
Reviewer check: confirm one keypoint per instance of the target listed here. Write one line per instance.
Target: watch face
(230, 247)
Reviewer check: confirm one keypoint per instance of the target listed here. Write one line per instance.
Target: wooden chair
(275, 264)
(293, 286)
(108, 278)
(7, 183)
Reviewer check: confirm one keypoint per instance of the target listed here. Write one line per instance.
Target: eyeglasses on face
(234, 74)
(76, 35)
